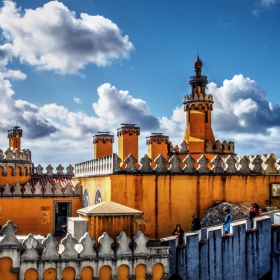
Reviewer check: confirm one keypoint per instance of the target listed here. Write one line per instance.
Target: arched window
(98, 197)
(85, 198)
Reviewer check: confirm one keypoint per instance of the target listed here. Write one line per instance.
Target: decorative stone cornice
(157, 138)
(128, 130)
(104, 138)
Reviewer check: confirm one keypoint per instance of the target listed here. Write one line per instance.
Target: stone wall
(242, 254)
(80, 254)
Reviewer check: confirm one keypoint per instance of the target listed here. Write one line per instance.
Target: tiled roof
(109, 208)
(53, 180)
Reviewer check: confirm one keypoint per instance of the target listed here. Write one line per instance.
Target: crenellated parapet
(61, 186)
(265, 164)
(15, 155)
(243, 254)
(24, 167)
(49, 170)
(219, 148)
(193, 101)
(42, 254)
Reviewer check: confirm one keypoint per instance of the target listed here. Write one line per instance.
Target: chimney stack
(103, 144)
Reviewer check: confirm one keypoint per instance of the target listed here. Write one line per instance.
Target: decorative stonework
(69, 252)
(231, 165)
(128, 130)
(203, 165)
(161, 164)
(105, 250)
(184, 148)
(220, 165)
(175, 165)
(50, 251)
(145, 165)
(87, 252)
(49, 170)
(123, 249)
(140, 247)
(103, 138)
(59, 170)
(130, 164)
(189, 168)
(9, 240)
(157, 139)
(30, 253)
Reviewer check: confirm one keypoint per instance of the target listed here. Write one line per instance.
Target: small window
(206, 116)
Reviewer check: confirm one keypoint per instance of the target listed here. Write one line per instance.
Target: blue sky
(71, 68)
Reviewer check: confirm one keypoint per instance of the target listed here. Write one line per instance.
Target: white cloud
(14, 75)
(267, 3)
(77, 100)
(56, 135)
(52, 38)
(263, 4)
(117, 106)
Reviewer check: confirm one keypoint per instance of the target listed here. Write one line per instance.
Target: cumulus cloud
(118, 106)
(241, 106)
(57, 127)
(241, 114)
(22, 112)
(53, 38)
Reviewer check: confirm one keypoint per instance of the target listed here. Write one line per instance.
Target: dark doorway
(62, 211)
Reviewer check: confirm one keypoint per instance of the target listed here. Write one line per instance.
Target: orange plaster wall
(167, 200)
(5, 269)
(13, 179)
(25, 213)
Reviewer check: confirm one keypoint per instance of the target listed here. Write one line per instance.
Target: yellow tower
(14, 136)
(103, 144)
(198, 107)
(128, 141)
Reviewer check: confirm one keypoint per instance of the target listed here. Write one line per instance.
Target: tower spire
(198, 107)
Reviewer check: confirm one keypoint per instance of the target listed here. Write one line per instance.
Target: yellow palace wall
(26, 213)
(170, 199)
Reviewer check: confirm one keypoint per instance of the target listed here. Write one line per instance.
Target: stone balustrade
(101, 166)
(81, 254)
